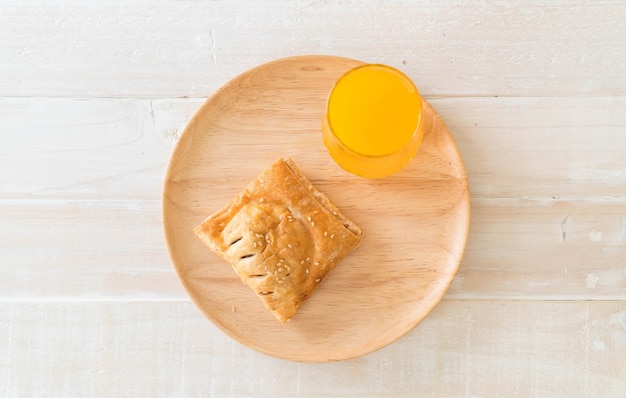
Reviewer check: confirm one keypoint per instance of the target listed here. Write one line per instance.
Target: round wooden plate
(415, 222)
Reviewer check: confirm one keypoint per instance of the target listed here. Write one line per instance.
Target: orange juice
(372, 125)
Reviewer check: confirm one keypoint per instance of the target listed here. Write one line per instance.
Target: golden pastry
(282, 237)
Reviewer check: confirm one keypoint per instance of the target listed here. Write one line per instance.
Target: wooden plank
(86, 249)
(88, 148)
(512, 147)
(464, 348)
(545, 147)
(545, 248)
(517, 249)
(190, 48)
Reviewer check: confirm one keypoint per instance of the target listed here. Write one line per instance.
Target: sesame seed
(317, 263)
(312, 223)
(280, 281)
(289, 246)
(308, 218)
(332, 236)
(308, 259)
(280, 269)
(334, 213)
(307, 270)
(325, 233)
(262, 200)
(254, 244)
(302, 262)
(317, 280)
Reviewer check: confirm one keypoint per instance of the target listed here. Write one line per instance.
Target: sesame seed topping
(332, 236)
(334, 213)
(308, 259)
(325, 233)
(262, 200)
(302, 262)
(312, 223)
(307, 270)
(317, 280)
(317, 263)
(289, 246)
(308, 218)
(280, 269)
(254, 244)
(280, 281)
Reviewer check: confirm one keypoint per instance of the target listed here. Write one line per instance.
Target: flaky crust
(282, 237)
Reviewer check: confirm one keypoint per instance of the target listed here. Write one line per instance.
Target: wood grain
(561, 249)
(544, 147)
(190, 48)
(166, 348)
(415, 222)
(96, 149)
(65, 249)
(522, 249)
(113, 148)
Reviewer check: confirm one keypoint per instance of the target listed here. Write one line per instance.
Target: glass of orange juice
(373, 121)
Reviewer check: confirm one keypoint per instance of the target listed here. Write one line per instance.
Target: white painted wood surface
(94, 96)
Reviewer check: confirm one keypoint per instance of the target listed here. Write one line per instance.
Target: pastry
(282, 237)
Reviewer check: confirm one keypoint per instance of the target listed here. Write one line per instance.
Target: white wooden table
(93, 96)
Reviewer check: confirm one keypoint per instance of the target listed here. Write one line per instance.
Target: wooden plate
(415, 222)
